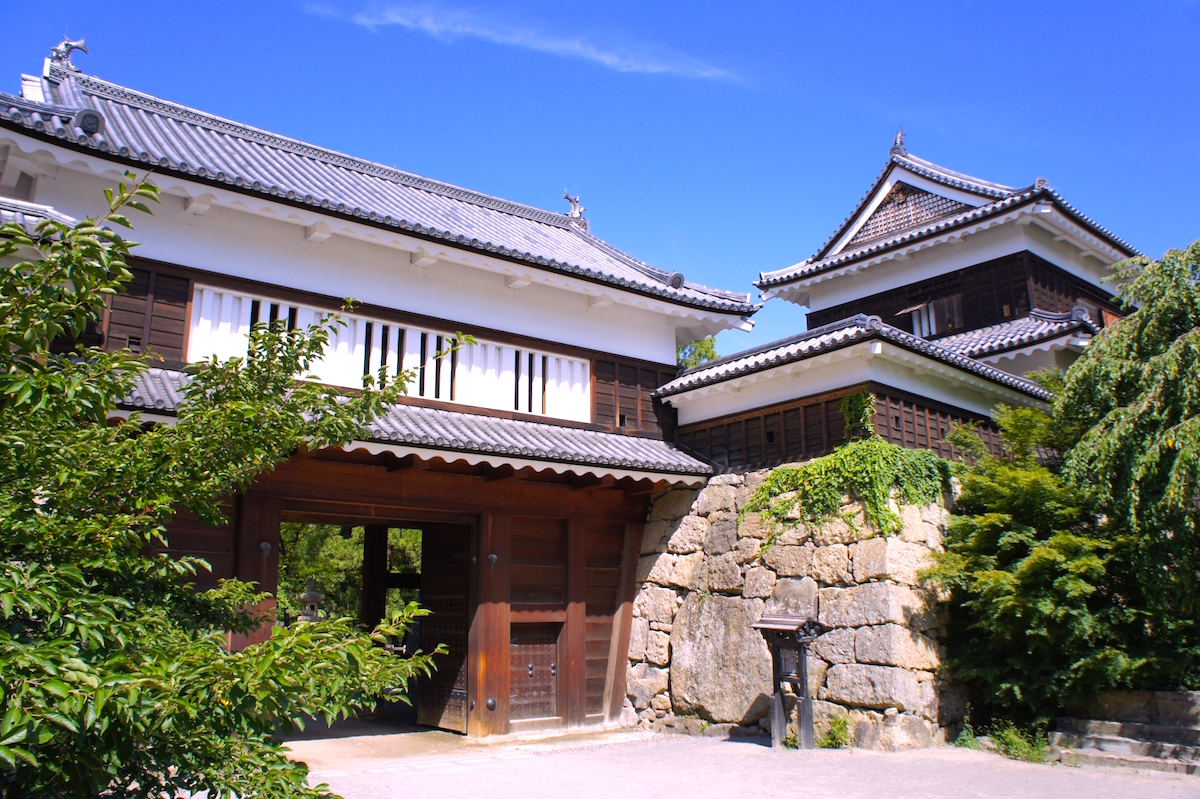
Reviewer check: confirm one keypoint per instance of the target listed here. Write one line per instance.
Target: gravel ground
(433, 765)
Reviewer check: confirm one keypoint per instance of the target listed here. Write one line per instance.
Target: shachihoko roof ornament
(61, 54)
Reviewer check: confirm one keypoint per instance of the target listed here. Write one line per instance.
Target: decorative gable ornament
(905, 207)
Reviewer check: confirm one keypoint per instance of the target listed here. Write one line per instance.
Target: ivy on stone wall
(868, 470)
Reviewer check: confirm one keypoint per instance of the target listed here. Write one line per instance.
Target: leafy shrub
(966, 737)
(868, 469)
(838, 734)
(1018, 744)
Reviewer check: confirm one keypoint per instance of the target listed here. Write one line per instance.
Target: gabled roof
(143, 131)
(1026, 331)
(833, 337)
(934, 215)
(457, 434)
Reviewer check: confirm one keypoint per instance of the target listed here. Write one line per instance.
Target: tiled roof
(831, 337)
(1017, 333)
(162, 391)
(999, 199)
(146, 132)
(27, 215)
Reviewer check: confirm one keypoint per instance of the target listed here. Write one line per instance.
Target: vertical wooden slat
(618, 658)
(572, 679)
(489, 677)
(257, 556)
(374, 574)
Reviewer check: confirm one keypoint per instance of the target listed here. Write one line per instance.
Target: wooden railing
(485, 374)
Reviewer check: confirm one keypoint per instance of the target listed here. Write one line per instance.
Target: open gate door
(445, 577)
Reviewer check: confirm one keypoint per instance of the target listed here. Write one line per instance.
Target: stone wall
(703, 579)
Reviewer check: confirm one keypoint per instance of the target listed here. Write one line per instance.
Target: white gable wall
(986, 245)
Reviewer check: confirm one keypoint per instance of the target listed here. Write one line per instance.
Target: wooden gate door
(445, 577)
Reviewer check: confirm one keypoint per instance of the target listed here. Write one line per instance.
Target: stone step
(1113, 744)
(1188, 736)
(1084, 757)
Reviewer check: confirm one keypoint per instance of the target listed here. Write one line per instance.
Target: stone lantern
(310, 600)
(788, 637)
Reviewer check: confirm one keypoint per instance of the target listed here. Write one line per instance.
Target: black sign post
(789, 637)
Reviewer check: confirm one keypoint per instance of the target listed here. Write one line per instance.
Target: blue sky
(716, 139)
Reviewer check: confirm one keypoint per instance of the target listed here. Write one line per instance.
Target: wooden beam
(408, 462)
(257, 556)
(618, 655)
(488, 644)
(374, 575)
(572, 679)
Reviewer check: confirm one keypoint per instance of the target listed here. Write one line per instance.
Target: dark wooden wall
(150, 315)
(790, 431)
(991, 292)
(622, 397)
(811, 426)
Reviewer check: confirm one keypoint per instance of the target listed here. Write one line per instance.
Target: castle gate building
(528, 459)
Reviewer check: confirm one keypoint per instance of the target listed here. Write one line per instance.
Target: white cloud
(453, 24)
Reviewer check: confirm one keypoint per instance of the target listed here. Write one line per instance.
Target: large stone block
(878, 603)
(655, 604)
(894, 645)
(726, 480)
(889, 559)
(890, 733)
(655, 535)
(793, 535)
(747, 550)
(752, 526)
(789, 561)
(751, 483)
(644, 681)
(836, 646)
(792, 597)
(835, 531)
(722, 575)
(658, 648)
(638, 634)
(689, 536)
(817, 669)
(720, 665)
(673, 505)
(716, 497)
(831, 563)
(679, 571)
(759, 583)
(875, 687)
(722, 534)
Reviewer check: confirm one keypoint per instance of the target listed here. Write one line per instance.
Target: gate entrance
(445, 582)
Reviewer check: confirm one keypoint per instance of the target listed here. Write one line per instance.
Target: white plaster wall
(975, 249)
(259, 248)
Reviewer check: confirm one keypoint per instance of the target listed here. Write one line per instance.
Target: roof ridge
(653, 272)
(183, 113)
(868, 326)
(850, 321)
(134, 133)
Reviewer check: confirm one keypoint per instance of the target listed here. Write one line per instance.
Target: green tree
(333, 557)
(114, 675)
(1132, 404)
(698, 352)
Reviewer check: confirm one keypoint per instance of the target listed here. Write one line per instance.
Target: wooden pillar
(488, 674)
(618, 657)
(374, 575)
(573, 678)
(257, 557)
